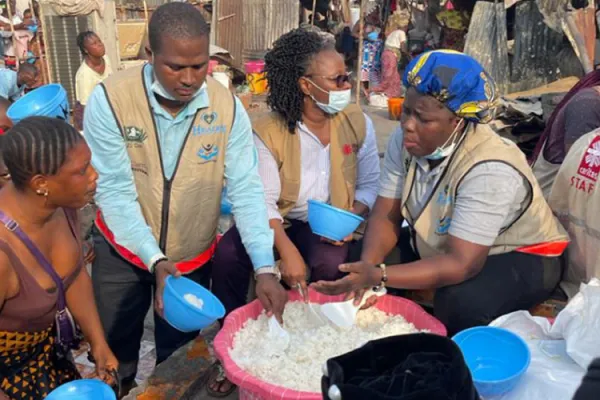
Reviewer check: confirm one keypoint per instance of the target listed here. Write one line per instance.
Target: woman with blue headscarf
(480, 231)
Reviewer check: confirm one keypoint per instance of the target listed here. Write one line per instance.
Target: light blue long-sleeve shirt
(116, 195)
(8, 85)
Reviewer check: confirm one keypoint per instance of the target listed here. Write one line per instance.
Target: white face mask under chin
(160, 90)
(446, 149)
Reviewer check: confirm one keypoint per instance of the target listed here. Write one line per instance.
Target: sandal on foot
(217, 375)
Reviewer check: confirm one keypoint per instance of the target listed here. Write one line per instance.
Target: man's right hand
(161, 271)
(271, 295)
(293, 269)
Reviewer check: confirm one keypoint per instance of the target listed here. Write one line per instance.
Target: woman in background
(391, 82)
(94, 69)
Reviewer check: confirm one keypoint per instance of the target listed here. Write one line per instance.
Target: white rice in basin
(300, 366)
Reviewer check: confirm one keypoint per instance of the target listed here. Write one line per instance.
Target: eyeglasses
(340, 80)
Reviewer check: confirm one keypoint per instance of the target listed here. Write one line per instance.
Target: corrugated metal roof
(249, 31)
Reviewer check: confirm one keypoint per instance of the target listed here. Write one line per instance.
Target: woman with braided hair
(42, 272)
(313, 145)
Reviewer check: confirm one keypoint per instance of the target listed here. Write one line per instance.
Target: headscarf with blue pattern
(456, 80)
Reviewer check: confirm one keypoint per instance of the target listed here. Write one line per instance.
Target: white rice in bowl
(299, 367)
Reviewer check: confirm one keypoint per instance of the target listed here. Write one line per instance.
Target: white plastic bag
(560, 353)
(579, 324)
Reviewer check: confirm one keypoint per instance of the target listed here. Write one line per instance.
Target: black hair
(287, 62)
(81, 38)
(27, 68)
(177, 21)
(37, 146)
(27, 10)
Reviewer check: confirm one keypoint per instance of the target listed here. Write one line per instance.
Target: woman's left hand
(338, 243)
(105, 362)
(361, 275)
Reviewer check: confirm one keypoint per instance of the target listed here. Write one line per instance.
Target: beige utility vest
(430, 226)
(545, 173)
(348, 132)
(575, 199)
(182, 211)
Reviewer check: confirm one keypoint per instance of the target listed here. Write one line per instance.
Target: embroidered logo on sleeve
(589, 167)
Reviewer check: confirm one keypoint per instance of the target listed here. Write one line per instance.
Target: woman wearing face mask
(313, 145)
(480, 232)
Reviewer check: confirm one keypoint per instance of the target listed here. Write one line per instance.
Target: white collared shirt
(315, 174)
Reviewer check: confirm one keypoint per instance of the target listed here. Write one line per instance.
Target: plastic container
(48, 101)
(497, 358)
(395, 108)
(331, 222)
(184, 316)
(225, 203)
(252, 388)
(256, 77)
(83, 389)
(254, 66)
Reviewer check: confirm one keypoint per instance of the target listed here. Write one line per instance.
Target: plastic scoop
(279, 335)
(343, 314)
(314, 316)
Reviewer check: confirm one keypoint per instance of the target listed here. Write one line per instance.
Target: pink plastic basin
(252, 388)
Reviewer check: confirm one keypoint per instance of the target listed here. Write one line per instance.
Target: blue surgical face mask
(446, 149)
(373, 36)
(160, 90)
(338, 100)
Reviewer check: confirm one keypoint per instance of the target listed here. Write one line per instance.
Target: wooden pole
(14, 36)
(313, 12)
(361, 32)
(346, 12)
(577, 42)
(146, 15)
(45, 61)
(39, 43)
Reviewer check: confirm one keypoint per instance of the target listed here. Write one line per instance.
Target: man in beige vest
(312, 146)
(164, 139)
(575, 199)
(480, 231)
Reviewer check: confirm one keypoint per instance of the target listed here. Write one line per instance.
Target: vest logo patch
(208, 153)
(348, 149)
(444, 197)
(208, 118)
(589, 167)
(443, 225)
(134, 136)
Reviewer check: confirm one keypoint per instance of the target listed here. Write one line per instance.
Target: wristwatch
(268, 270)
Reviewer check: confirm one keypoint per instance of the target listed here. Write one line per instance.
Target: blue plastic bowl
(83, 389)
(331, 222)
(48, 101)
(185, 316)
(496, 357)
(225, 203)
